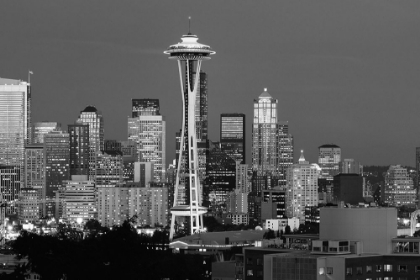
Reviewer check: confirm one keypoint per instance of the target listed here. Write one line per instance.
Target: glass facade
(39, 129)
(329, 159)
(15, 132)
(232, 136)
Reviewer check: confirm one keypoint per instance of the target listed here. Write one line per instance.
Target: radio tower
(188, 53)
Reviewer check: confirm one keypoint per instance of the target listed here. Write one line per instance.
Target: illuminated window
(378, 268)
(321, 271)
(249, 272)
(388, 267)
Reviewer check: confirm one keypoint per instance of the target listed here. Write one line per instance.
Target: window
(417, 268)
(387, 278)
(259, 261)
(249, 272)
(402, 268)
(349, 271)
(368, 269)
(359, 270)
(329, 270)
(259, 273)
(248, 260)
(402, 278)
(378, 268)
(388, 267)
(321, 271)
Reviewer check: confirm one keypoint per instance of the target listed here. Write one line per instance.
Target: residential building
(78, 197)
(399, 188)
(232, 136)
(29, 206)
(302, 187)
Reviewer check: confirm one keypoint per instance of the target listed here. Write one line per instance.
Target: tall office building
(149, 132)
(242, 178)
(15, 131)
(232, 136)
(57, 169)
(93, 117)
(285, 151)
(350, 166)
(79, 149)
(145, 107)
(399, 188)
(109, 169)
(129, 152)
(10, 180)
(34, 177)
(417, 183)
(302, 188)
(328, 159)
(264, 135)
(39, 129)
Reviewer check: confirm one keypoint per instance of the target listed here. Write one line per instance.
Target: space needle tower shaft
(189, 54)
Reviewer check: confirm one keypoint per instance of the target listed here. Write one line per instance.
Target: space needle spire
(189, 54)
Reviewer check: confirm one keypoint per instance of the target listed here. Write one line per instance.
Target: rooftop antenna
(189, 25)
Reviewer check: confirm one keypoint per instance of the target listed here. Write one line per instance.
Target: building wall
(375, 227)
(143, 173)
(348, 188)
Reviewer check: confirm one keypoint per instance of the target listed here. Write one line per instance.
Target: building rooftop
(219, 238)
(4, 81)
(328, 146)
(90, 108)
(265, 94)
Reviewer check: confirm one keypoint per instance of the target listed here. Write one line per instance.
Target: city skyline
(344, 73)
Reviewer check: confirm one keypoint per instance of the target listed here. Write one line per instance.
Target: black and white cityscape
(209, 140)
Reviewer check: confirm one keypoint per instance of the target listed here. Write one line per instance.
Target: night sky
(344, 72)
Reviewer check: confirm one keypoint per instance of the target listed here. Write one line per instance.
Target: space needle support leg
(181, 150)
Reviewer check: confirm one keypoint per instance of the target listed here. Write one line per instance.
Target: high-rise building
(273, 204)
(15, 131)
(145, 107)
(399, 188)
(39, 129)
(34, 176)
(149, 132)
(78, 197)
(10, 180)
(187, 53)
(264, 135)
(112, 145)
(129, 152)
(109, 169)
(29, 207)
(242, 180)
(285, 150)
(417, 184)
(221, 177)
(79, 149)
(57, 169)
(348, 188)
(302, 188)
(349, 165)
(328, 159)
(232, 136)
(237, 202)
(93, 117)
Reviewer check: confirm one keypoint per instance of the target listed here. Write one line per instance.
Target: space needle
(189, 54)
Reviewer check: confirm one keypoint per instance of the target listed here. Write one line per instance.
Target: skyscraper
(232, 135)
(15, 131)
(39, 129)
(109, 169)
(302, 187)
(79, 149)
(350, 166)
(34, 177)
(264, 135)
(191, 52)
(285, 150)
(148, 130)
(329, 159)
(57, 168)
(145, 107)
(93, 117)
(417, 182)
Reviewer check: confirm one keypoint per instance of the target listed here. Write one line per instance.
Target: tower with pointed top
(189, 54)
(301, 187)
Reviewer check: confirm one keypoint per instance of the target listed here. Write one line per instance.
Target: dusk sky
(344, 72)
